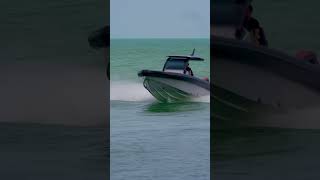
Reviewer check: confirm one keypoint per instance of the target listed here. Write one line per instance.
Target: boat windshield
(176, 64)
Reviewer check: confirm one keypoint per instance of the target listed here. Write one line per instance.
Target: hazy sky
(160, 18)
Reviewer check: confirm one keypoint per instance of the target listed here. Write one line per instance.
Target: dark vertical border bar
(100, 40)
(107, 56)
(211, 92)
(277, 138)
(54, 90)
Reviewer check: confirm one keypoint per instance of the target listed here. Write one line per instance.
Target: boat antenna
(194, 49)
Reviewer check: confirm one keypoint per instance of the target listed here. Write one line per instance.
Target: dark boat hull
(169, 87)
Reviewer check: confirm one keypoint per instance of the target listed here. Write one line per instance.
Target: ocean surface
(152, 140)
(281, 152)
(53, 91)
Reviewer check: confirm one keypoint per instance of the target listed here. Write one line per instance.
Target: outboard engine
(309, 56)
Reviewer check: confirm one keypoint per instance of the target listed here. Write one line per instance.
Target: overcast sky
(160, 18)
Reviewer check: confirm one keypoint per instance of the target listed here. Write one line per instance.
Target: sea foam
(128, 91)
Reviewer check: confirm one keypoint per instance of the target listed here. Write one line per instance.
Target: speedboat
(173, 83)
(251, 82)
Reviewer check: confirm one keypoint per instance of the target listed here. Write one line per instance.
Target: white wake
(129, 91)
(134, 91)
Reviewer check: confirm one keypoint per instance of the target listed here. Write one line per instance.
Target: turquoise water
(152, 140)
(128, 56)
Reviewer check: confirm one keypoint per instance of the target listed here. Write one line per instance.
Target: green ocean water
(128, 56)
(152, 140)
